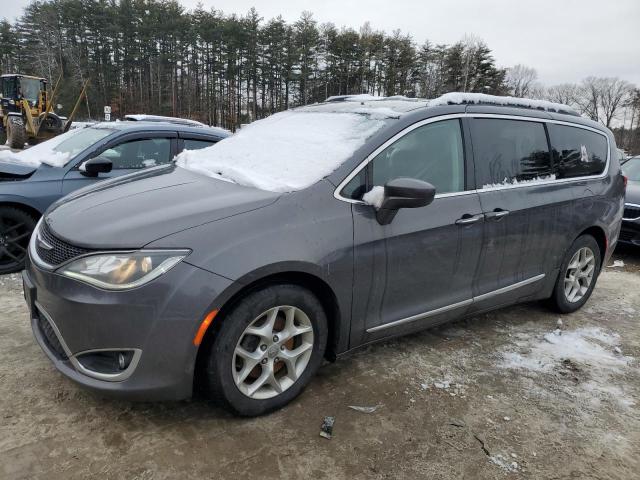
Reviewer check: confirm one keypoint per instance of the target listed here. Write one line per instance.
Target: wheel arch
(31, 210)
(312, 282)
(600, 236)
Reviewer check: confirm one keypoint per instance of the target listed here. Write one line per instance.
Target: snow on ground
(592, 350)
(374, 197)
(285, 152)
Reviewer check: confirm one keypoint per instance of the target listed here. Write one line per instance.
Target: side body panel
(421, 262)
(307, 232)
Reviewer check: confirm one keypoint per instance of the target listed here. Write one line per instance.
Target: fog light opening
(106, 362)
(121, 361)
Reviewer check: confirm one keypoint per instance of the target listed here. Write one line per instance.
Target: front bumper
(157, 322)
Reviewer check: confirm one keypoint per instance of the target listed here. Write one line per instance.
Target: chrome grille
(60, 251)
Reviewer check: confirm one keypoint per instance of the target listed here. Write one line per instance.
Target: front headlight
(121, 271)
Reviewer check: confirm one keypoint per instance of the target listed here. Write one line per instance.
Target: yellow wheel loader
(26, 110)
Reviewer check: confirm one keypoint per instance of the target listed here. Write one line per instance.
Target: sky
(564, 40)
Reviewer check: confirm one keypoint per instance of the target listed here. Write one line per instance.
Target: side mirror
(95, 166)
(403, 193)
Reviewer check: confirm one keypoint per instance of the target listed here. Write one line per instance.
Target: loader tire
(16, 133)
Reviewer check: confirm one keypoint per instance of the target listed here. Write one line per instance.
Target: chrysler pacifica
(315, 231)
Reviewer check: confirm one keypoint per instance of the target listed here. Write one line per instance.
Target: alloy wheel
(272, 352)
(579, 274)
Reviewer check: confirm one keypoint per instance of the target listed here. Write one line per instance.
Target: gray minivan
(316, 231)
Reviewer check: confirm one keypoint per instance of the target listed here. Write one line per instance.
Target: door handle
(497, 214)
(467, 219)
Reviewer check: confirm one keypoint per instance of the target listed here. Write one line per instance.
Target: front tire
(578, 275)
(266, 350)
(16, 133)
(16, 227)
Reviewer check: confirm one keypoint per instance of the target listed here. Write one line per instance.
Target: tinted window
(509, 151)
(432, 153)
(148, 152)
(577, 152)
(356, 187)
(190, 144)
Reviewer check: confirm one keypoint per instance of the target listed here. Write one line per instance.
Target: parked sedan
(316, 231)
(33, 179)
(630, 232)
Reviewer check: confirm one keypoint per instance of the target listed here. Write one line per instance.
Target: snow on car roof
(294, 149)
(290, 150)
(458, 98)
(402, 104)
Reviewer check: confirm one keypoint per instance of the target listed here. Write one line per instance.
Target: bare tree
(521, 80)
(602, 98)
(565, 93)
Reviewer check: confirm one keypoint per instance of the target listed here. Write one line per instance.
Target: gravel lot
(503, 395)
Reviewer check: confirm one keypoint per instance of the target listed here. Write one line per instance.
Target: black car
(630, 232)
(33, 179)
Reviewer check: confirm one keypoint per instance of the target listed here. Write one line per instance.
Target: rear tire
(16, 227)
(16, 133)
(257, 340)
(578, 275)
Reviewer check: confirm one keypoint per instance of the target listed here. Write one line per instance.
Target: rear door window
(509, 152)
(577, 152)
(193, 144)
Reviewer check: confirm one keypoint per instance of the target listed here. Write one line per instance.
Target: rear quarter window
(577, 152)
(193, 144)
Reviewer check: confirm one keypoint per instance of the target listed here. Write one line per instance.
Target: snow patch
(374, 197)
(584, 345)
(506, 183)
(504, 463)
(458, 98)
(617, 264)
(590, 349)
(42, 153)
(149, 163)
(285, 152)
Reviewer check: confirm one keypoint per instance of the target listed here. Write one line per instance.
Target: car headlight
(121, 271)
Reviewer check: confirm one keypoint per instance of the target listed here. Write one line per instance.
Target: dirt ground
(511, 394)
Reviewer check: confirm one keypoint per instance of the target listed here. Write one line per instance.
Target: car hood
(15, 170)
(134, 210)
(633, 193)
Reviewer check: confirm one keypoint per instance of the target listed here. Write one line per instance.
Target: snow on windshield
(57, 151)
(287, 151)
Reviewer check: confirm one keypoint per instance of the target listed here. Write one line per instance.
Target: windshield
(30, 89)
(285, 152)
(58, 151)
(631, 169)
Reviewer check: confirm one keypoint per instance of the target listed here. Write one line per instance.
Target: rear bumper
(157, 321)
(630, 233)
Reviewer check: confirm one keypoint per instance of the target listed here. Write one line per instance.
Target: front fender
(18, 200)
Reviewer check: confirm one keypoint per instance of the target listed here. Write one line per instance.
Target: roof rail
(460, 98)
